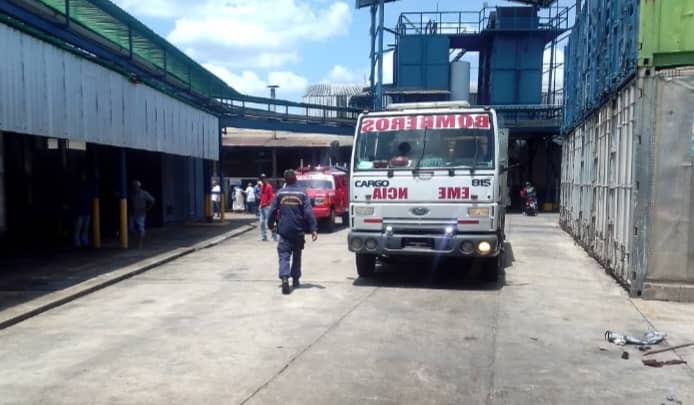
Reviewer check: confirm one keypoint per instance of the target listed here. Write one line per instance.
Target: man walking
(266, 197)
(295, 218)
(140, 203)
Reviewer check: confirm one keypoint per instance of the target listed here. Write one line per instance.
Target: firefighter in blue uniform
(294, 220)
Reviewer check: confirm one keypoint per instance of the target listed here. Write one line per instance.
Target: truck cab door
(504, 197)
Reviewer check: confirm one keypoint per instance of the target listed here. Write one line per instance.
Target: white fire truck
(429, 179)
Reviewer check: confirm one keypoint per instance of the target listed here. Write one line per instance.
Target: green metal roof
(125, 33)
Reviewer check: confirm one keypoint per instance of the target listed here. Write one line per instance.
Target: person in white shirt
(216, 194)
(250, 199)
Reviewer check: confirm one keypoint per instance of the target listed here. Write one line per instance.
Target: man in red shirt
(266, 197)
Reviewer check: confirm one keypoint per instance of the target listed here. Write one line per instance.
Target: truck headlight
(365, 211)
(320, 201)
(484, 247)
(478, 212)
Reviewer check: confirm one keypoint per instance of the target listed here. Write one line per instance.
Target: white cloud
(340, 74)
(246, 34)
(292, 86)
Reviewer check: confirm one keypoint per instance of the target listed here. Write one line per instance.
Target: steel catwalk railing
(474, 22)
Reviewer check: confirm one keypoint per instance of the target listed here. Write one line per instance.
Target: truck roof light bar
(428, 105)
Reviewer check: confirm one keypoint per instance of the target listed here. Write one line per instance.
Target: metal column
(378, 95)
(123, 200)
(372, 55)
(222, 182)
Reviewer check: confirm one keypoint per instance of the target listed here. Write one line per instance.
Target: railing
(474, 22)
(530, 116)
(283, 110)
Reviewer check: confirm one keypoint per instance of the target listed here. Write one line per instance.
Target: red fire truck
(327, 189)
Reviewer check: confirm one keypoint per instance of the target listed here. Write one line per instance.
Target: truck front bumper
(456, 245)
(321, 212)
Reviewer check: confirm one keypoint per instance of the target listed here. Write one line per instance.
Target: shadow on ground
(28, 274)
(453, 274)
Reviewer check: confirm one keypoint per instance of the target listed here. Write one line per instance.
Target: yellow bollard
(221, 207)
(96, 223)
(208, 206)
(124, 223)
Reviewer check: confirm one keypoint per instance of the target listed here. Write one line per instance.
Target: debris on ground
(644, 348)
(667, 349)
(649, 338)
(625, 355)
(672, 398)
(658, 363)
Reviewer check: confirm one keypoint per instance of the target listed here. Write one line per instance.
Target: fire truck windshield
(445, 148)
(312, 184)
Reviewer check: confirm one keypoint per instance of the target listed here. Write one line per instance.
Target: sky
(291, 43)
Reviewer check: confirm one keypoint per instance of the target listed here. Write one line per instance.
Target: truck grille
(419, 231)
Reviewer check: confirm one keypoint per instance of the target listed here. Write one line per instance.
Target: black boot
(295, 282)
(285, 286)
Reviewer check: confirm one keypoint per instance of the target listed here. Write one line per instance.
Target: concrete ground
(212, 327)
(31, 274)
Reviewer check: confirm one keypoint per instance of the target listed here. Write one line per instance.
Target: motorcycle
(530, 208)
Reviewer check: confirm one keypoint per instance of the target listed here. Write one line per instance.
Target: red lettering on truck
(390, 193)
(454, 193)
(431, 121)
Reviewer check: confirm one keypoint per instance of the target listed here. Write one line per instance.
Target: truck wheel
(491, 269)
(330, 224)
(366, 265)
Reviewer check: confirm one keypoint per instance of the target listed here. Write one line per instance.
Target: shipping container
(667, 33)
(611, 39)
(627, 185)
(600, 57)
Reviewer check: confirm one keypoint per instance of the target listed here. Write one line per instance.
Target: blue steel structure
(511, 42)
(233, 108)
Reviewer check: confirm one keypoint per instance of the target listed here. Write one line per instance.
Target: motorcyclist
(528, 192)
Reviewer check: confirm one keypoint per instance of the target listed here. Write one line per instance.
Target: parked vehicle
(327, 189)
(429, 179)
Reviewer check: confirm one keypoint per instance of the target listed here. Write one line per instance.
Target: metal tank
(460, 81)
(627, 185)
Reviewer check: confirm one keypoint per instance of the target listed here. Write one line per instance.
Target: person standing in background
(216, 193)
(140, 202)
(83, 212)
(250, 199)
(266, 197)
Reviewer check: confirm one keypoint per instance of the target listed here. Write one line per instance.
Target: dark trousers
(289, 250)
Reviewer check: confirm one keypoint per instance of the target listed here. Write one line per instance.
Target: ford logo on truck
(371, 183)
(419, 211)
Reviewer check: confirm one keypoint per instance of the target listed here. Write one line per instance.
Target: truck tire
(491, 268)
(366, 265)
(330, 222)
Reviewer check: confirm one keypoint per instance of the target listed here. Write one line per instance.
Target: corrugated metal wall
(627, 184)
(47, 91)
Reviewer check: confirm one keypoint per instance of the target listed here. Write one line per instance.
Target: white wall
(47, 91)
